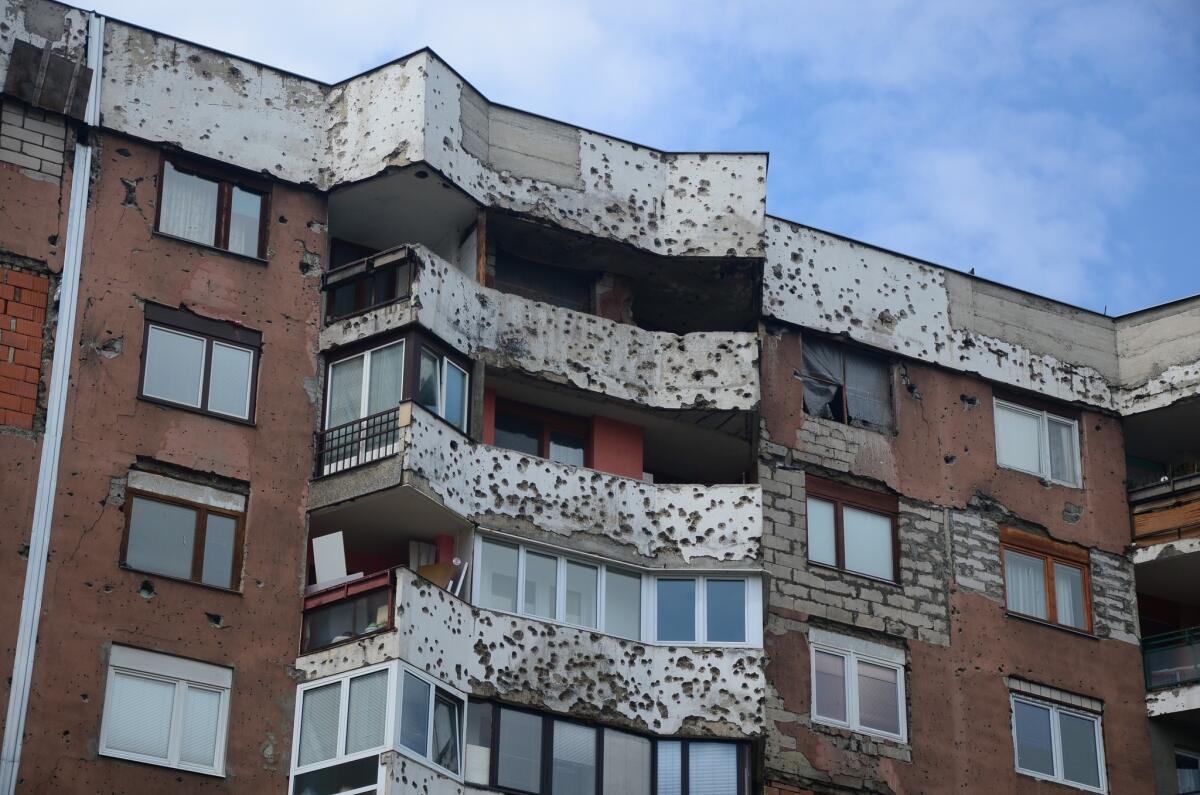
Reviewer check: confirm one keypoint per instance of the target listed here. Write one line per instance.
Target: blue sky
(1051, 145)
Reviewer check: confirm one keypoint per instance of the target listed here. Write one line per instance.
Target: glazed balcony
(715, 371)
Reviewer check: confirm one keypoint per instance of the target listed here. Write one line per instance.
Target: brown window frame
(343, 592)
(875, 502)
(1050, 552)
(212, 331)
(361, 275)
(227, 180)
(201, 529)
(550, 421)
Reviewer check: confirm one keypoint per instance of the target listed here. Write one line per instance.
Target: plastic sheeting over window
(845, 385)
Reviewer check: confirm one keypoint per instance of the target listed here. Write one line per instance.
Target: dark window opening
(562, 438)
(844, 384)
(374, 283)
(563, 287)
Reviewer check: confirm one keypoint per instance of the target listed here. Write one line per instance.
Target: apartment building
(378, 438)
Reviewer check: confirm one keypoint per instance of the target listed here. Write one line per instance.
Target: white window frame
(649, 605)
(365, 387)
(249, 379)
(1043, 418)
(1056, 741)
(184, 674)
(204, 342)
(444, 363)
(391, 733)
(852, 651)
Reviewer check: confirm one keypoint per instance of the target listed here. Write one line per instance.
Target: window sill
(1059, 781)
(193, 410)
(141, 760)
(1035, 620)
(183, 580)
(848, 572)
(1045, 481)
(877, 737)
(213, 249)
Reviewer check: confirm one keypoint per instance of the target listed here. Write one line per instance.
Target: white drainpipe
(56, 404)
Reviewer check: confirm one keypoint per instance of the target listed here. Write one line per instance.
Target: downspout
(56, 404)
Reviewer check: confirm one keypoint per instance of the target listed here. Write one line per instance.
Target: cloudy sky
(1050, 145)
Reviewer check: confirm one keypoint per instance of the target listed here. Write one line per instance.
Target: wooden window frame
(201, 530)
(361, 274)
(550, 421)
(1050, 552)
(842, 495)
(226, 179)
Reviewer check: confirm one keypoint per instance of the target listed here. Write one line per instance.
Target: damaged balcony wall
(1159, 355)
(641, 523)
(403, 776)
(664, 690)
(709, 370)
(41, 22)
(91, 602)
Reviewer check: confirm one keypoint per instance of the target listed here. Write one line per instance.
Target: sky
(1053, 145)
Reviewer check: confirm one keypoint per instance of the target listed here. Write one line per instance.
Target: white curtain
(244, 222)
(387, 369)
(189, 207)
(1068, 595)
(1025, 584)
(1062, 450)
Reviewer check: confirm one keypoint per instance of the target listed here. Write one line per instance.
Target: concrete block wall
(32, 139)
(23, 299)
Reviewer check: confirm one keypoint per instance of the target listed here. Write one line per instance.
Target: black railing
(1172, 659)
(359, 442)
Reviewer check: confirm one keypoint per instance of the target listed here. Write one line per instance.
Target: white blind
(1018, 439)
(878, 698)
(574, 759)
(189, 206)
(626, 764)
(139, 715)
(319, 723)
(387, 371)
(821, 537)
(868, 541)
(670, 773)
(201, 714)
(1025, 584)
(366, 712)
(712, 769)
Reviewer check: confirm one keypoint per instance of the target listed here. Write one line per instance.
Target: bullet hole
(111, 348)
(123, 152)
(283, 219)
(1072, 513)
(109, 589)
(421, 174)
(84, 697)
(147, 590)
(214, 619)
(66, 733)
(52, 240)
(949, 458)
(969, 401)
(23, 551)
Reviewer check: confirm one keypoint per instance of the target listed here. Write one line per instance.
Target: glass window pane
(829, 680)
(541, 585)
(1063, 461)
(670, 768)
(1025, 583)
(339, 778)
(446, 718)
(519, 762)
(319, 724)
(878, 698)
(345, 392)
(366, 712)
(567, 448)
(174, 366)
(868, 540)
(498, 576)
(1187, 769)
(822, 537)
(726, 605)
(456, 396)
(626, 764)
(429, 382)
(582, 582)
(414, 715)
(1068, 596)
(677, 610)
(518, 434)
(229, 385)
(1018, 439)
(622, 604)
(244, 222)
(479, 742)
(161, 538)
(712, 768)
(1034, 750)
(201, 719)
(1080, 759)
(139, 715)
(574, 768)
(220, 534)
(387, 372)
(189, 206)
(868, 390)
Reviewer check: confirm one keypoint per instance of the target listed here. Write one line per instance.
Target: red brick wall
(23, 298)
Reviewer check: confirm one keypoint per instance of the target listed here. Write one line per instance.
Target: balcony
(407, 460)
(1172, 659)
(656, 688)
(715, 371)
(347, 611)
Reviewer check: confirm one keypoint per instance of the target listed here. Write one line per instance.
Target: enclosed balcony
(1172, 659)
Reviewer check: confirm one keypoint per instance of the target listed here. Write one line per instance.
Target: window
(1037, 442)
(1058, 743)
(343, 721)
(852, 529)
(546, 434)
(205, 365)
(846, 385)
(375, 282)
(1047, 580)
(364, 391)
(563, 287)
(539, 754)
(858, 685)
(203, 207)
(182, 539)
(1187, 768)
(713, 609)
(166, 711)
(347, 611)
(442, 388)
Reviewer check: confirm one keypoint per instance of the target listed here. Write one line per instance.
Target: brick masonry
(32, 139)
(23, 299)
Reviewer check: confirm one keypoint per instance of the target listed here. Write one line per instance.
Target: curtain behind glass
(1078, 738)
(1062, 450)
(244, 222)
(1025, 584)
(878, 698)
(189, 206)
(626, 764)
(867, 538)
(1018, 440)
(541, 585)
(822, 536)
(1035, 750)
(1068, 596)
(622, 604)
(345, 391)
(387, 372)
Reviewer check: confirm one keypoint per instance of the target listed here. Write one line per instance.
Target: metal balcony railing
(1172, 659)
(358, 442)
(347, 611)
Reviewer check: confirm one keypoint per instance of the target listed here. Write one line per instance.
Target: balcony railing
(1172, 659)
(347, 611)
(358, 442)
